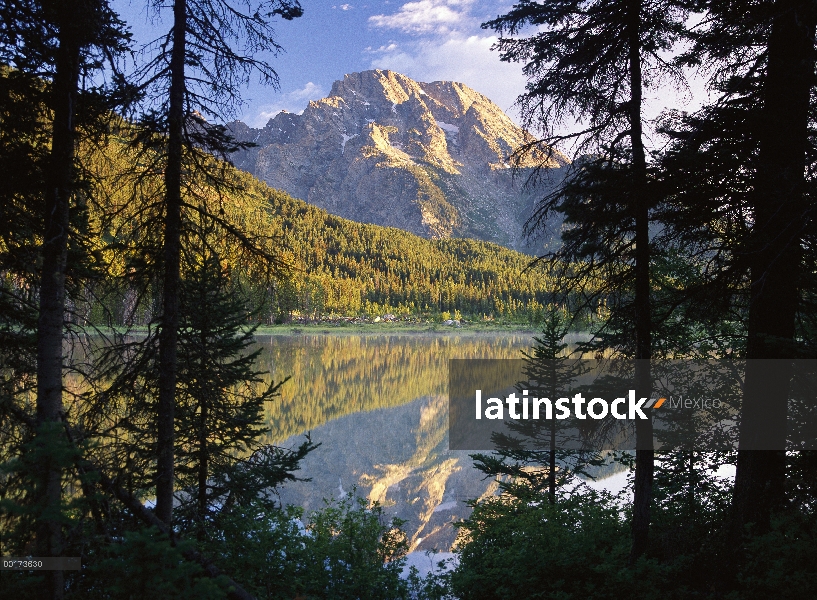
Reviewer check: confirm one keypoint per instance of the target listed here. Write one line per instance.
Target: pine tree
(196, 75)
(223, 466)
(52, 41)
(781, 212)
(222, 462)
(592, 61)
(740, 172)
(549, 373)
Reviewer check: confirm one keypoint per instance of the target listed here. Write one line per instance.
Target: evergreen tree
(549, 374)
(781, 215)
(223, 467)
(196, 74)
(222, 464)
(54, 42)
(592, 61)
(740, 172)
(24, 139)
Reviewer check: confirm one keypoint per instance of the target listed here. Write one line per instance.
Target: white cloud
(466, 59)
(294, 101)
(344, 7)
(309, 92)
(426, 16)
(447, 44)
(382, 49)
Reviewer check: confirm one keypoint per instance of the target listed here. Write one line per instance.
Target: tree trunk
(552, 465)
(644, 460)
(49, 437)
(204, 466)
(552, 458)
(168, 339)
(780, 213)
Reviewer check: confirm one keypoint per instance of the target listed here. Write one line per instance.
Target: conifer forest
(150, 292)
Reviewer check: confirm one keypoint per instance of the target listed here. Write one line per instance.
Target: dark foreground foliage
(520, 545)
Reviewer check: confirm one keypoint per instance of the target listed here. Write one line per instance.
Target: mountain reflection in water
(379, 405)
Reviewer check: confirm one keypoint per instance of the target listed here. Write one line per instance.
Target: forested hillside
(330, 266)
(352, 268)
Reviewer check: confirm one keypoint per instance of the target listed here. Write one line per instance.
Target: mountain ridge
(433, 158)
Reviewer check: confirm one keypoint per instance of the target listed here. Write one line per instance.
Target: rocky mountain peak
(431, 158)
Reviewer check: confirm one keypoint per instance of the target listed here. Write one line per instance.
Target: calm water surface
(378, 405)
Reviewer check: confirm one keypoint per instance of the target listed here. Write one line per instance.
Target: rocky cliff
(430, 158)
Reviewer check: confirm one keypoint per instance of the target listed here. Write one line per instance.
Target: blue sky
(428, 40)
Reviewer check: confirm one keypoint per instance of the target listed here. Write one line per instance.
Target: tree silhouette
(223, 466)
(54, 41)
(550, 373)
(195, 74)
(591, 61)
(745, 212)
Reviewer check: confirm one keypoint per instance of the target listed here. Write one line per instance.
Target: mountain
(429, 158)
(338, 267)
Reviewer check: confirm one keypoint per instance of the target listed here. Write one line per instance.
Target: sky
(427, 40)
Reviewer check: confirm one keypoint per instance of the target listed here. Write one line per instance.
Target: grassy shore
(372, 328)
(397, 327)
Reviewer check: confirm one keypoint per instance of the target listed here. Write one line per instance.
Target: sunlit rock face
(432, 158)
(399, 458)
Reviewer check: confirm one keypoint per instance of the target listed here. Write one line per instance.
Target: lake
(378, 405)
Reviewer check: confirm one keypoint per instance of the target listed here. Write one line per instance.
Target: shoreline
(377, 329)
(394, 328)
